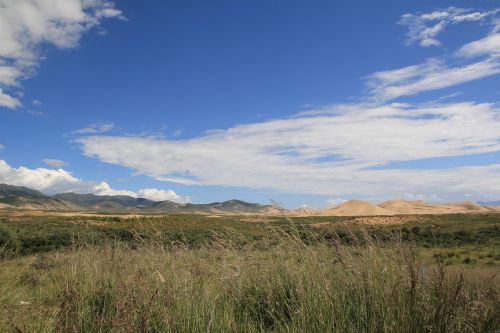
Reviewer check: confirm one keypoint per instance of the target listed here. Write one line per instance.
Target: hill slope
(18, 197)
(358, 208)
(19, 191)
(421, 207)
(23, 197)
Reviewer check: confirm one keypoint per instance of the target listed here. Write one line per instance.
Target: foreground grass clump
(286, 287)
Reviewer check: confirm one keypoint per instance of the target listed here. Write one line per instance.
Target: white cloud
(154, 194)
(496, 25)
(52, 181)
(437, 73)
(36, 102)
(9, 75)
(162, 195)
(489, 45)
(334, 152)
(103, 188)
(1, 146)
(35, 113)
(335, 202)
(27, 24)
(8, 101)
(54, 163)
(430, 197)
(46, 180)
(431, 75)
(96, 128)
(423, 28)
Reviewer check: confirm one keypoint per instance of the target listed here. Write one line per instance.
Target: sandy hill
(358, 208)
(405, 207)
(408, 207)
(463, 207)
(303, 212)
(493, 208)
(421, 207)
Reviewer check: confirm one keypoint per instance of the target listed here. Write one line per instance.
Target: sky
(306, 103)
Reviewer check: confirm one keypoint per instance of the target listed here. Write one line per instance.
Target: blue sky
(306, 103)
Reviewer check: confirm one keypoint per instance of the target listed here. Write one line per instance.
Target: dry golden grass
(284, 286)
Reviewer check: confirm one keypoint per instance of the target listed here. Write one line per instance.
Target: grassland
(193, 273)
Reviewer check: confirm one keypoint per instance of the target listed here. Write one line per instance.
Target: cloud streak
(432, 75)
(96, 128)
(424, 28)
(54, 163)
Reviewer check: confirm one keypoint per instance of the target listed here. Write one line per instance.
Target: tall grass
(285, 286)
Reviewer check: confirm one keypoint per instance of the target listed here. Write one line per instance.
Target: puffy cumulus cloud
(335, 151)
(42, 179)
(27, 24)
(52, 181)
(54, 163)
(154, 194)
(103, 188)
(423, 28)
(162, 195)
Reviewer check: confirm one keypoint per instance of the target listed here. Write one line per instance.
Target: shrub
(9, 244)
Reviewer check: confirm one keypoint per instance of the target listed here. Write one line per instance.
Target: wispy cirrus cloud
(431, 75)
(95, 128)
(27, 24)
(424, 28)
(478, 59)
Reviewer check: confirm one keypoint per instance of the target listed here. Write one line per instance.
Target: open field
(196, 273)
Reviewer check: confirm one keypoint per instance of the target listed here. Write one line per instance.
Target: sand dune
(405, 207)
(357, 208)
(304, 212)
(463, 207)
(493, 208)
(408, 207)
(421, 207)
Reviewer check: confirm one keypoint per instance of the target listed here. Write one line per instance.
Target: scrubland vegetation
(200, 274)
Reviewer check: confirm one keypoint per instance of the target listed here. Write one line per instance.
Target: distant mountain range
(23, 198)
(20, 197)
